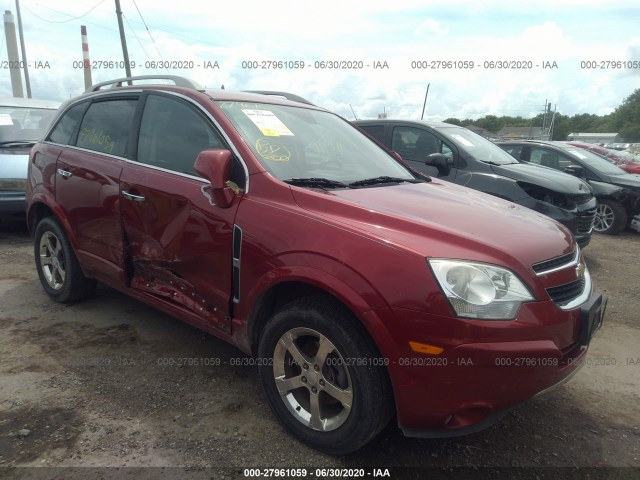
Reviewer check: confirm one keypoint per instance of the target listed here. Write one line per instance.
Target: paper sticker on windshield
(5, 119)
(267, 122)
(272, 151)
(462, 140)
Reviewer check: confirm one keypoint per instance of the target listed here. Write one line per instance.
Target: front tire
(58, 268)
(611, 217)
(322, 377)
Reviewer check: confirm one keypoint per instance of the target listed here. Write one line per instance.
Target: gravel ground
(97, 384)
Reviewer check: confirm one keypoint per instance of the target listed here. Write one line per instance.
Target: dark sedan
(617, 192)
(458, 155)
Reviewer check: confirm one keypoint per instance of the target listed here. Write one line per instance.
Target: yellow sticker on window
(267, 123)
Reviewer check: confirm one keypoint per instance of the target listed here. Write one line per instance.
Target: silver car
(23, 122)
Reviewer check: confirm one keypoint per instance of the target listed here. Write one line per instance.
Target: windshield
(478, 147)
(623, 155)
(24, 124)
(300, 143)
(596, 162)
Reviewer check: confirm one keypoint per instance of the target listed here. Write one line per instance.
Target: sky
(577, 55)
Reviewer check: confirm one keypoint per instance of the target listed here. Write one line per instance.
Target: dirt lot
(98, 384)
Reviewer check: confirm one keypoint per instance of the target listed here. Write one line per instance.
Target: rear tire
(322, 376)
(57, 265)
(611, 217)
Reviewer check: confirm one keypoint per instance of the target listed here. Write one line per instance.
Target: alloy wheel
(604, 217)
(312, 379)
(52, 260)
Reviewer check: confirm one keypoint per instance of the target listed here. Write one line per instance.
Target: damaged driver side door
(178, 244)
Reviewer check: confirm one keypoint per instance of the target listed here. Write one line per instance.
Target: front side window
(172, 134)
(416, 144)
(302, 143)
(548, 158)
(515, 151)
(106, 125)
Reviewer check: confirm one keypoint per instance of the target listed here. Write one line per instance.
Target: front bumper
(473, 383)
(13, 206)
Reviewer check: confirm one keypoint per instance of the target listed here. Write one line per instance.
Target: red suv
(361, 288)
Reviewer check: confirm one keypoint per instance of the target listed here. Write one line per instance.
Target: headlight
(478, 290)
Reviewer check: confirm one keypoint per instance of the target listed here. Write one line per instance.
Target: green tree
(626, 118)
(453, 121)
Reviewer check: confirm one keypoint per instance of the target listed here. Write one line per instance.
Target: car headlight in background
(478, 290)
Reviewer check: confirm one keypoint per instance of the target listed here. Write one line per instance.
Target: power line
(62, 13)
(145, 26)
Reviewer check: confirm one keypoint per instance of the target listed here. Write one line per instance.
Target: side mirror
(396, 155)
(574, 170)
(215, 166)
(439, 161)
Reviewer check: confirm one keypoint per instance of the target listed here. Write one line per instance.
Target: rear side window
(65, 127)
(376, 131)
(106, 126)
(172, 134)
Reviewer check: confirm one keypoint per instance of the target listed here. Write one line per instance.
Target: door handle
(64, 173)
(131, 196)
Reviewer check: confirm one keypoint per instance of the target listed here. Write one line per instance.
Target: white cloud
(431, 26)
(399, 32)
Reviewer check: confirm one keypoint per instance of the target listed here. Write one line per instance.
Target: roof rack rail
(118, 82)
(288, 96)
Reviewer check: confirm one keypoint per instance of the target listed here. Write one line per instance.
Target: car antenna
(354, 113)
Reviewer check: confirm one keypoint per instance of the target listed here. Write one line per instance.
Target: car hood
(440, 219)
(544, 176)
(629, 180)
(14, 164)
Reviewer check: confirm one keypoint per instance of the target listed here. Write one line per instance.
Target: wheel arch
(40, 208)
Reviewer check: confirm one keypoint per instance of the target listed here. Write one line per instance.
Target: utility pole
(12, 53)
(86, 61)
(123, 40)
(425, 101)
(24, 50)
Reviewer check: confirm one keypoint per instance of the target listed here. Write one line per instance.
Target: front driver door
(415, 144)
(179, 244)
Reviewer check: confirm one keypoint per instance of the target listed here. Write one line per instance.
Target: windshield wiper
(316, 182)
(383, 179)
(17, 143)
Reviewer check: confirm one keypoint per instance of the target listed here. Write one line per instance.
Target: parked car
(362, 288)
(23, 121)
(626, 161)
(617, 192)
(458, 155)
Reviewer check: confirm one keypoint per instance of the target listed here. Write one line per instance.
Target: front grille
(563, 294)
(584, 223)
(554, 262)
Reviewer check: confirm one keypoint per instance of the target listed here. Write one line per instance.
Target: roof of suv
(20, 102)
(408, 122)
(184, 85)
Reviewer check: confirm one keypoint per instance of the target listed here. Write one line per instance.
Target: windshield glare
(596, 162)
(19, 123)
(479, 147)
(295, 142)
